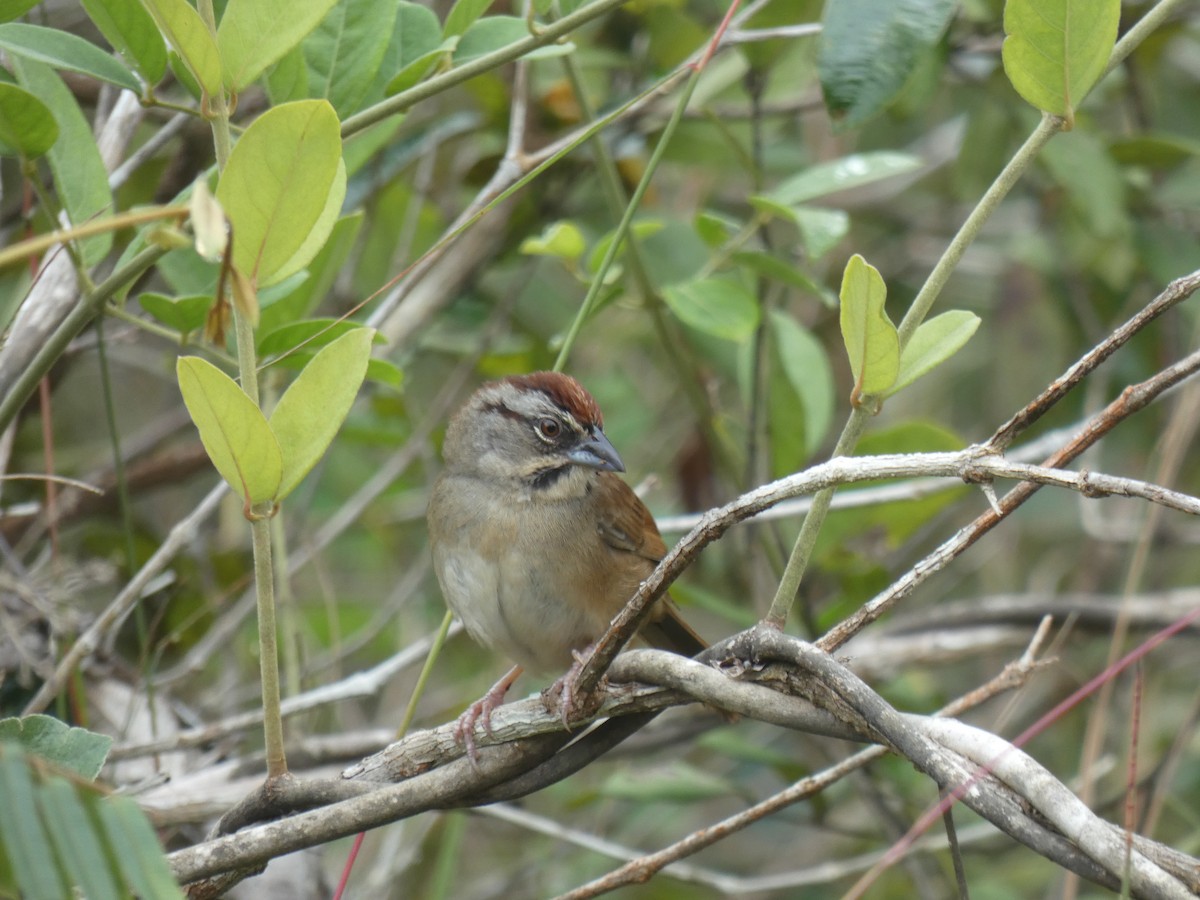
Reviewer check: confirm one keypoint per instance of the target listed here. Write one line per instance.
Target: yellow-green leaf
(871, 340)
(186, 32)
(276, 187)
(254, 34)
(1055, 50)
(311, 411)
(234, 431)
(934, 342)
(27, 127)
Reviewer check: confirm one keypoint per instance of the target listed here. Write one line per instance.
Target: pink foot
(481, 709)
(565, 688)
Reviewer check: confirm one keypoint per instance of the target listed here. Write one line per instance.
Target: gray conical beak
(597, 452)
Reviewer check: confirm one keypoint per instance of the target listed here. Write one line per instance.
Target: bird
(537, 541)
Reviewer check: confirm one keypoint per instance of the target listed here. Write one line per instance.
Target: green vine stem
(1048, 127)
(260, 514)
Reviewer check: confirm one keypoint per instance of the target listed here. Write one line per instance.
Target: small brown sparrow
(537, 544)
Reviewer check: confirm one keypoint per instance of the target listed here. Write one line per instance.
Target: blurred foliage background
(704, 401)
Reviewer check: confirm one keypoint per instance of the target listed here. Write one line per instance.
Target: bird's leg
(565, 688)
(481, 709)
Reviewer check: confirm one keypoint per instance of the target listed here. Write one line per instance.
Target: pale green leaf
(318, 234)
(276, 186)
(137, 849)
(23, 837)
(131, 31)
(77, 840)
(313, 408)
(77, 749)
(233, 430)
(871, 340)
(254, 34)
(934, 342)
(186, 32)
(717, 305)
(863, 69)
(79, 174)
(27, 127)
(842, 174)
(807, 368)
(63, 50)
(561, 239)
(1055, 50)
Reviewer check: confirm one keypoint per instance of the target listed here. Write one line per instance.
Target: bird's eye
(548, 428)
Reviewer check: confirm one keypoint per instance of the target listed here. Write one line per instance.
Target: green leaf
(63, 50)
(344, 52)
(806, 365)
(184, 314)
(14, 9)
(415, 71)
(312, 409)
(141, 858)
(871, 340)
(24, 837)
(718, 305)
(840, 175)
(277, 185)
(254, 34)
(820, 229)
(233, 430)
(674, 783)
(311, 335)
(186, 32)
(639, 230)
(77, 841)
(79, 174)
(1055, 50)
(463, 15)
(76, 749)
(27, 127)
(561, 239)
(320, 231)
(771, 266)
(490, 34)
(132, 33)
(322, 270)
(864, 68)
(934, 342)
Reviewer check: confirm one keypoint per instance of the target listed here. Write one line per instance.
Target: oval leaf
(318, 234)
(863, 70)
(344, 53)
(311, 411)
(76, 749)
(27, 126)
(276, 186)
(63, 50)
(132, 33)
(234, 431)
(79, 174)
(181, 313)
(842, 174)
(561, 239)
(186, 32)
(806, 365)
(934, 342)
(254, 34)
(719, 306)
(1056, 49)
(871, 340)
